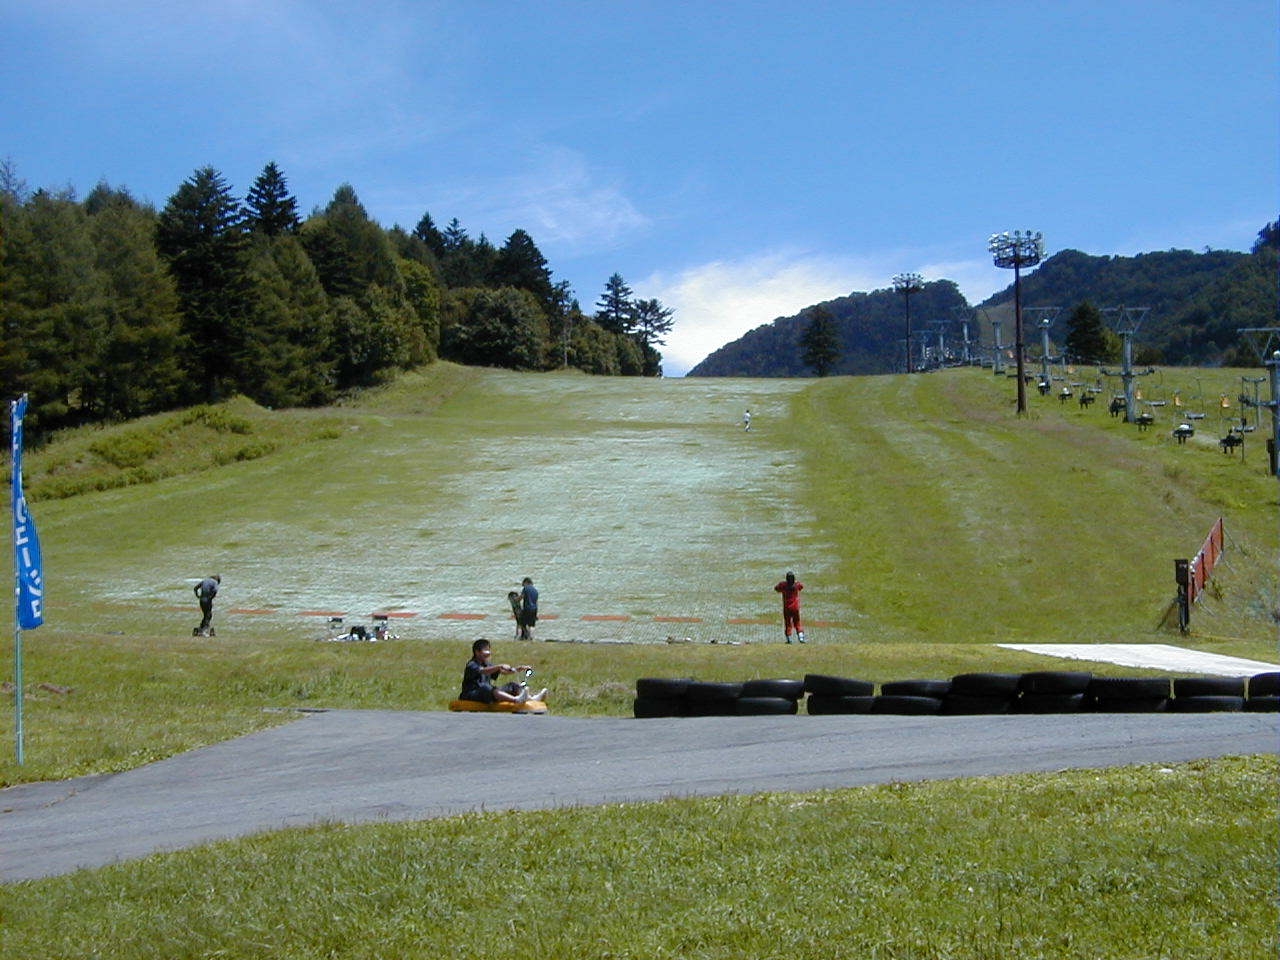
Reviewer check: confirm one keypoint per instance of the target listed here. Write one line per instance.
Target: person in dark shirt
(528, 609)
(205, 591)
(478, 674)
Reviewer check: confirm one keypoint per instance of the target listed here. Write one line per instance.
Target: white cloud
(716, 303)
(560, 201)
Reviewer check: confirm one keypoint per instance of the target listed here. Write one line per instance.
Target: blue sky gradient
(737, 160)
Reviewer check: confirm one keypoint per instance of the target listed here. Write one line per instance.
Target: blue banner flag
(27, 561)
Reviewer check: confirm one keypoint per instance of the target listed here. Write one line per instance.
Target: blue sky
(737, 160)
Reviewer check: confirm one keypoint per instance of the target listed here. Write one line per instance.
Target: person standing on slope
(790, 589)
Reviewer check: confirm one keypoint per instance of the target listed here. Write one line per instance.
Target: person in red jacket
(790, 589)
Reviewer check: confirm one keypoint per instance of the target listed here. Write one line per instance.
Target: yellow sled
(475, 706)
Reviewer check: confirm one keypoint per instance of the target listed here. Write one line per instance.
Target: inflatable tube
(475, 706)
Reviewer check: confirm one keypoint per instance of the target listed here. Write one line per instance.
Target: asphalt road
(358, 766)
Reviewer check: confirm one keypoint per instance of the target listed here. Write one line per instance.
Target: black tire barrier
(662, 688)
(1055, 682)
(1264, 685)
(1128, 688)
(1048, 703)
(985, 685)
(819, 705)
(1209, 703)
(937, 689)
(956, 705)
(1208, 687)
(906, 705)
(711, 691)
(824, 686)
(1123, 705)
(1265, 704)
(711, 708)
(652, 707)
(766, 706)
(786, 689)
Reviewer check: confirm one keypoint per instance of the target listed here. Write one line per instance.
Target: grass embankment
(957, 521)
(941, 522)
(102, 704)
(1074, 864)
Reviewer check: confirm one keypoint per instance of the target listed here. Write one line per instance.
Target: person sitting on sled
(477, 679)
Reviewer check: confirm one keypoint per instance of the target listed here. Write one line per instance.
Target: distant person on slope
(790, 589)
(205, 591)
(746, 420)
(528, 609)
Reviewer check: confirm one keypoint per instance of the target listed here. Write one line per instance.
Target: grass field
(927, 522)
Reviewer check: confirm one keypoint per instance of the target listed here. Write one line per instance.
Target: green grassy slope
(927, 521)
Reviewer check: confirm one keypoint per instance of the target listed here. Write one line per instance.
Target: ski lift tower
(1047, 316)
(1015, 251)
(997, 353)
(1264, 340)
(965, 315)
(1127, 320)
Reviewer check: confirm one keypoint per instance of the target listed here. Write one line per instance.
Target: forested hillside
(1196, 304)
(869, 329)
(110, 309)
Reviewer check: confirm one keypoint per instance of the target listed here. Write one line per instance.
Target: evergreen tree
(138, 360)
(200, 234)
(652, 324)
(270, 209)
(819, 342)
(289, 350)
(614, 309)
(54, 303)
(1088, 339)
(1268, 236)
(521, 264)
(435, 240)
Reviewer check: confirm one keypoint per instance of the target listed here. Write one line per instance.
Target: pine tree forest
(110, 309)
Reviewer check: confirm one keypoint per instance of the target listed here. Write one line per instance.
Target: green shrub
(128, 449)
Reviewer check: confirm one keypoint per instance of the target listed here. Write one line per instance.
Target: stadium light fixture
(907, 284)
(1015, 251)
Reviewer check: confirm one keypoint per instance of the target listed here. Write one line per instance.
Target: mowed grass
(1149, 862)
(919, 510)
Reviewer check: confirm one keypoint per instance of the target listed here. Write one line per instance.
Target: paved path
(356, 766)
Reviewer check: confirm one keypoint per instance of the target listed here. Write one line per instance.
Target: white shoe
(540, 695)
(801, 638)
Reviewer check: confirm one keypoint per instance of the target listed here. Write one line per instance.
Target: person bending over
(477, 679)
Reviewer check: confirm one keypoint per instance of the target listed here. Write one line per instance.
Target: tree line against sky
(110, 309)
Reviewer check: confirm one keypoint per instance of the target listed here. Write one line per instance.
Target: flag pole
(14, 489)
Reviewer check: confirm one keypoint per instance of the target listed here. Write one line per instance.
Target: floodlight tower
(1015, 251)
(907, 284)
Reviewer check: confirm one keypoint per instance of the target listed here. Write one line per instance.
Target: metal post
(998, 364)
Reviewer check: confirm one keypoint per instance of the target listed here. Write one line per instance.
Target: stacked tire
(1052, 691)
(684, 697)
(763, 698)
(838, 695)
(1207, 695)
(980, 693)
(912, 698)
(1264, 693)
(1128, 694)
